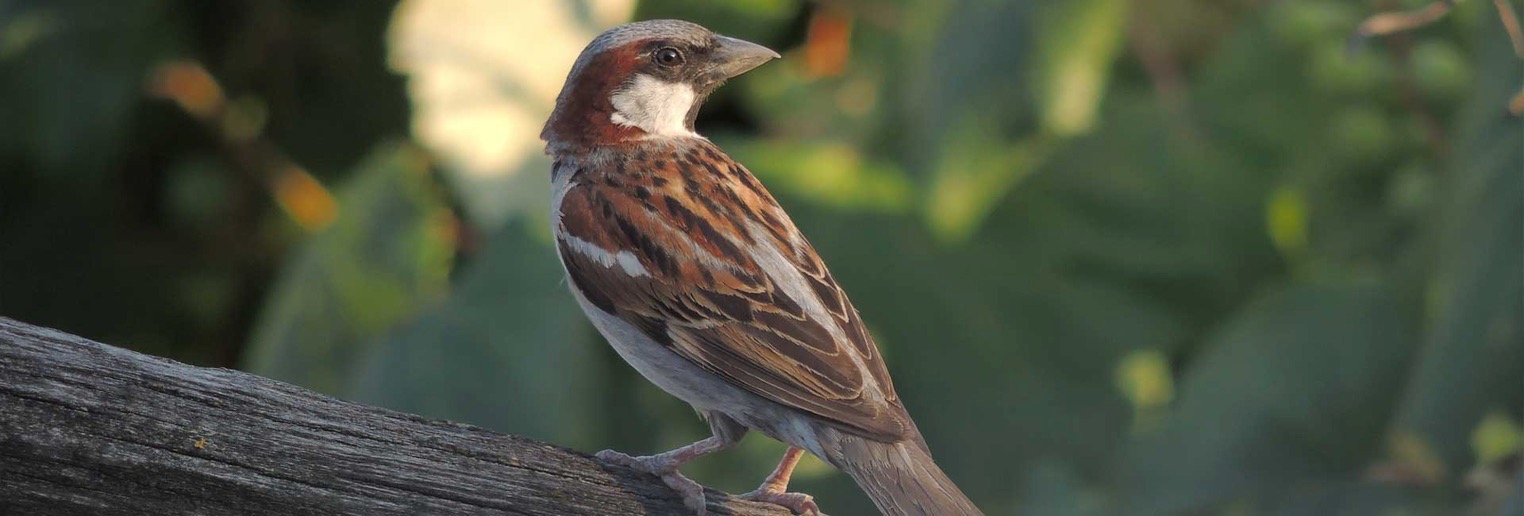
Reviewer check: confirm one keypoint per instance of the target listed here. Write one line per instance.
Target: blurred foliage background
(1123, 256)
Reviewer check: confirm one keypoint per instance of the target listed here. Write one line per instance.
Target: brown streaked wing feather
(808, 262)
(709, 301)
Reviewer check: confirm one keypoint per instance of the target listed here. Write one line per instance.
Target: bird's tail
(901, 478)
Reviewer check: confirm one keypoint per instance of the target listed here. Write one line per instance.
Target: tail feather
(901, 478)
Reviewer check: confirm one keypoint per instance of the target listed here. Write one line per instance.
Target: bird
(695, 275)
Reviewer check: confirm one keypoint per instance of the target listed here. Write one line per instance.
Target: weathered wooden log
(87, 428)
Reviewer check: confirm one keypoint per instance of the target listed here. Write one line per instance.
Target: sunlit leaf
(1496, 437)
(977, 167)
(1144, 377)
(1286, 219)
(832, 175)
(1076, 44)
(483, 77)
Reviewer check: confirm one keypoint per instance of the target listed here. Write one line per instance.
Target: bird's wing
(687, 246)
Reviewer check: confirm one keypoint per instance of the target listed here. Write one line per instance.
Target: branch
(87, 428)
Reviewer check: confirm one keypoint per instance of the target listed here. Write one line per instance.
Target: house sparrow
(699, 280)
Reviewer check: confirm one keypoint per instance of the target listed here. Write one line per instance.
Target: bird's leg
(665, 465)
(774, 488)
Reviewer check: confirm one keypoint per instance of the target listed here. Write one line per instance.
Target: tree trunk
(87, 428)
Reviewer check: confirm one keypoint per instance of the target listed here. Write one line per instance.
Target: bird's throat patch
(657, 107)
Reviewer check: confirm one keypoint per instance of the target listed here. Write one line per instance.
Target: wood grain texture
(87, 428)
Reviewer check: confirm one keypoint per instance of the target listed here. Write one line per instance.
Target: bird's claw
(799, 503)
(666, 470)
(622, 459)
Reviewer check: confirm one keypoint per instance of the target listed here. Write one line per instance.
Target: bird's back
(680, 240)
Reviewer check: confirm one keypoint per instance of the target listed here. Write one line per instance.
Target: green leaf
(1076, 44)
(1017, 364)
(1286, 396)
(965, 111)
(1473, 357)
(827, 174)
(976, 168)
(386, 255)
(508, 350)
(977, 159)
(70, 74)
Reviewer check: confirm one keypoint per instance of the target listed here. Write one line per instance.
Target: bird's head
(645, 80)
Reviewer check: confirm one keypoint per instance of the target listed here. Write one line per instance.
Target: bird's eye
(668, 56)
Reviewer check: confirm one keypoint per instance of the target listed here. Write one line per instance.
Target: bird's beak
(734, 57)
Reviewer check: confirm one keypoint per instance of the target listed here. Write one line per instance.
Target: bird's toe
(692, 492)
(665, 469)
(799, 503)
(622, 459)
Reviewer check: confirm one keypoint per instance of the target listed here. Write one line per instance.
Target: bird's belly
(661, 366)
(694, 385)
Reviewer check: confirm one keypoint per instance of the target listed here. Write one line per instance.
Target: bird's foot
(663, 467)
(800, 503)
